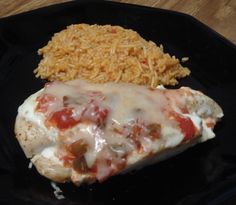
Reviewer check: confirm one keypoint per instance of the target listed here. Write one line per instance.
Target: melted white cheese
(49, 152)
(173, 137)
(127, 105)
(27, 111)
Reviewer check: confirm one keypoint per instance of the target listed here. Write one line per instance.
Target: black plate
(205, 174)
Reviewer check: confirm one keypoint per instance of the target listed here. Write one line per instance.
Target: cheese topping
(100, 128)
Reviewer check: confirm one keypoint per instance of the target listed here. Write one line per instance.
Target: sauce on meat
(99, 126)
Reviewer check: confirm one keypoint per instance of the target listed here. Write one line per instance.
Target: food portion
(107, 53)
(82, 132)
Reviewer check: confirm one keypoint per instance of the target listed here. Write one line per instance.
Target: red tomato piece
(94, 113)
(43, 102)
(63, 119)
(187, 127)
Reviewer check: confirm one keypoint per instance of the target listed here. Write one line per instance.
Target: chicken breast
(82, 132)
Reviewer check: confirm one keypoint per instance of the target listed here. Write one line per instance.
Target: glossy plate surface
(205, 174)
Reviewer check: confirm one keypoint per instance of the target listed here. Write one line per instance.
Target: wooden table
(217, 14)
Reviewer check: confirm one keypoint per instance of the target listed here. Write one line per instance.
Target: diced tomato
(44, 101)
(187, 127)
(101, 116)
(94, 113)
(62, 119)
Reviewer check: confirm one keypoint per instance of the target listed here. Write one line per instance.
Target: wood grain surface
(220, 15)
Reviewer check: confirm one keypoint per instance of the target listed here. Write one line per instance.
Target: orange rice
(106, 53)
